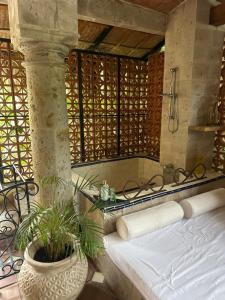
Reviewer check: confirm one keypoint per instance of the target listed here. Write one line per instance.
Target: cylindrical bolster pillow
(142, 222)
(200, 204)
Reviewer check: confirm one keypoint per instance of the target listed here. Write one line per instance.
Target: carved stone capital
(50, 21)
(43, 53)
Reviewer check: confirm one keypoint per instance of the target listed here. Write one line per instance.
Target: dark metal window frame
(119, 58)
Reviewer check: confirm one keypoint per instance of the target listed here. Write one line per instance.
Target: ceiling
(164, 6)
(115, 40)
(103, 38)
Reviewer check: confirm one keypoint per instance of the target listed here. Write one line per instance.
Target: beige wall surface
(118, 172)
(195, 49)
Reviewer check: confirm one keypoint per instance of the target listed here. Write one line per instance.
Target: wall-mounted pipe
(173, 117)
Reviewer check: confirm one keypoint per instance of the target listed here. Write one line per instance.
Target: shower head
(173, 70)
(214, 2)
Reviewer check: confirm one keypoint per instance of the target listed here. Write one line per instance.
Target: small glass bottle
(104, 191)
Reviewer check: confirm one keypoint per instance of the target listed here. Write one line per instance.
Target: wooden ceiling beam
(122, 14)
(217, 15)
(122, 40)
(138, 46)
(101, 37)
(154, 50)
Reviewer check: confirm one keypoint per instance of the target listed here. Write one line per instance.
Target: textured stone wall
(195, 48)
(118, 172)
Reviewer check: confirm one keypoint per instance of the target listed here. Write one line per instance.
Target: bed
(183, 261)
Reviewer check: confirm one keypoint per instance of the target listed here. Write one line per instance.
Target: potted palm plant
(57, 239)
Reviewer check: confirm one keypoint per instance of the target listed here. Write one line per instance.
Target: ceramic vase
(62, 280)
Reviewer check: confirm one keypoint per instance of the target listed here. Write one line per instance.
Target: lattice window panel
(133, 105)
(99, 97)
(15, 147)
(72, 100)
(154, 107)
(219, 151)
(119, 99)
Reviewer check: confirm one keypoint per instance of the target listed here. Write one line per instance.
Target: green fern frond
(59, 228)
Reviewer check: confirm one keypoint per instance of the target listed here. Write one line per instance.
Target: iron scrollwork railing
(149, 185)
(132, 189)
(196, 173)
(14, 205)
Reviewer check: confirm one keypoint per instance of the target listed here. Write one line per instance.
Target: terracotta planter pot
(62, 280)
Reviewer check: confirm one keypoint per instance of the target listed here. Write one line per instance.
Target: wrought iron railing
(182, 176)
(132, 189)
(150, 186)
(14, 205)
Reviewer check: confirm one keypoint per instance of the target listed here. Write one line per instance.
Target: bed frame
(117, 281)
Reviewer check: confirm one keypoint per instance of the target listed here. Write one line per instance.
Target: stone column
(44, 31)
(195, 49)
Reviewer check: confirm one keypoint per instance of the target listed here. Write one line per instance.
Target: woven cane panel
(154, 108)
(15, 147)
(99, 96)
(219, 153)
(72, 100)
(133, 106)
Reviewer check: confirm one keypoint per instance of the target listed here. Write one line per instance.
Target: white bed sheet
(184, 261)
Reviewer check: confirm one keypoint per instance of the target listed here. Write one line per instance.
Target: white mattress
(184, 261)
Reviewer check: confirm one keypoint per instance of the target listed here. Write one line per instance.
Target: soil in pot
(41, 255)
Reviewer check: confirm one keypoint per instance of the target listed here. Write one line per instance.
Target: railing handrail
(17, 185)
(15, 172)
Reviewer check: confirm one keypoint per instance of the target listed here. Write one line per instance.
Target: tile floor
(9, 289)
(9, 292)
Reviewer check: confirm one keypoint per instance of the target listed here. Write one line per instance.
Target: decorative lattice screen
(99, 99)
(72, 98)
(114, 107)
(154, 108)
(15, 145)
(133, 105)
(219, 157)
